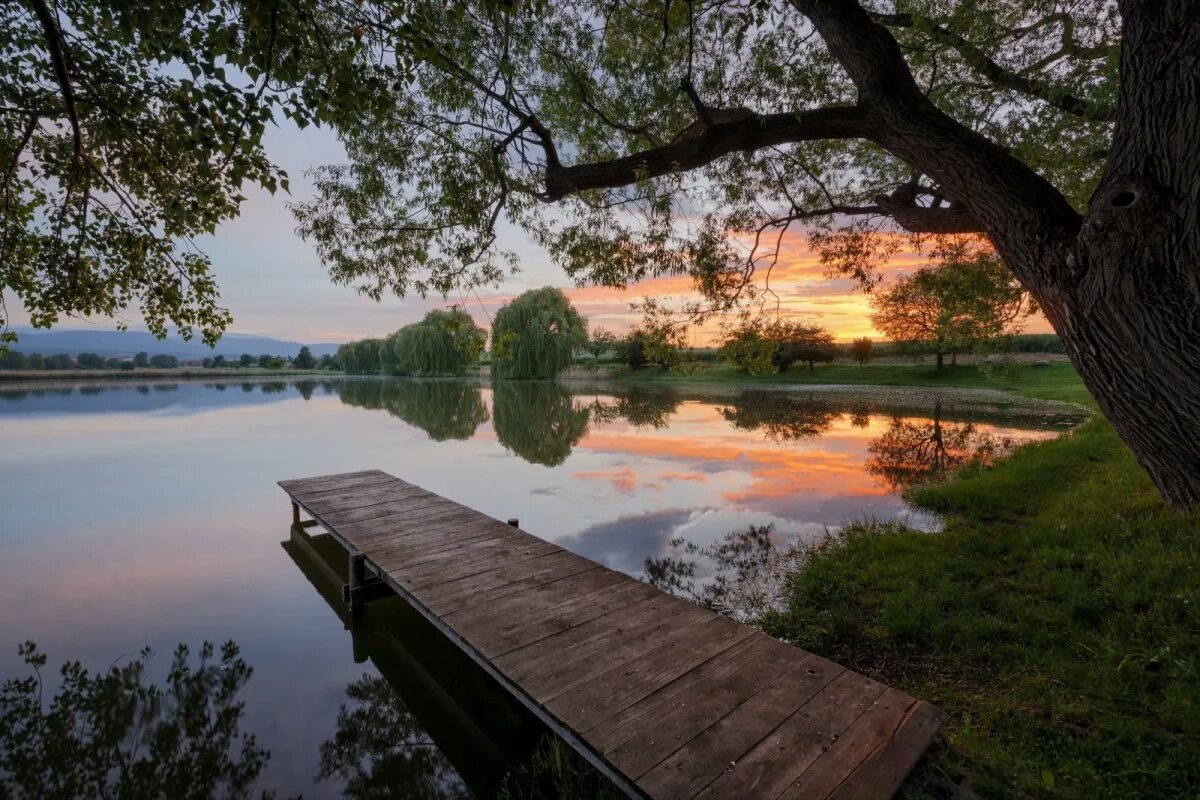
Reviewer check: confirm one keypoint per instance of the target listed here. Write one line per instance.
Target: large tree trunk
(1127, 297)
(1137, 348)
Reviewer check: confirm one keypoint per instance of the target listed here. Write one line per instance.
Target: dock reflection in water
(432, 724)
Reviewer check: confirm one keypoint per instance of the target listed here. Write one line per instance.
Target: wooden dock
(665, 698)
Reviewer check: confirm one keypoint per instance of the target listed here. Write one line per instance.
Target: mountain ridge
(117, 344)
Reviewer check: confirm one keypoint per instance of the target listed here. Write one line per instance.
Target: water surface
(147, 514)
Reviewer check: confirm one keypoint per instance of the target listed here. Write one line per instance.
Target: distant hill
(117, 344)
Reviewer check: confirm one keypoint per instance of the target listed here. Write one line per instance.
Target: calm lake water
(147, 514)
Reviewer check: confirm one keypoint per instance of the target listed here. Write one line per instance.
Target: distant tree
(246, 360)
(305, 359)
(266, 361)
(327, 362)
(89, 361)
(59, 361)
(808, 343)
(764, 347)
(36, 361)
(112, 363)
(599, 342)
(658, 339)
(207, 363)
(747, 348)
(219, 362)
(631, 350)
(445, 342)
(14, 359)
(949, 307)
(127, 365)
(164, 361)
(141, 360)
(860, 349)
(361, 357)
(536, 335)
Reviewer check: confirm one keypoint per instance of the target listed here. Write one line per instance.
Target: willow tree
(361, 357)
(446, 342)
(536, 335)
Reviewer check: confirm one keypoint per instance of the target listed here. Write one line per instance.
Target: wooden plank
(559, 675)
(497, 640)
(712, 692)
(694, 766)
(666, 698)
(299, 484)
(873, 729)
(332, 483)
(504, 580)
(585, 641)
(766, 771)
(586, 705)
(887, 766)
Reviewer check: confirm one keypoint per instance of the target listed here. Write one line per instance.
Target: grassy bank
(1054, 381)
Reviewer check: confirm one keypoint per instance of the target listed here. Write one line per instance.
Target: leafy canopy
(631, 139)
(128, 129)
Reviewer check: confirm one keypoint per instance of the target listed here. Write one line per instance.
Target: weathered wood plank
(666, 698)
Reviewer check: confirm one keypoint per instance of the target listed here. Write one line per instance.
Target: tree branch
(732, 130)
(58, 59)
(1001, 76)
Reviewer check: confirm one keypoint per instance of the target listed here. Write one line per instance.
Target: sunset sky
(274, 284)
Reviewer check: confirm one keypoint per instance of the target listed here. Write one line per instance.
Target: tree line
(15, 360)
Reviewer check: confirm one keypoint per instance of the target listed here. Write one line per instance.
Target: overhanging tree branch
(1001, 76)
(732, 130)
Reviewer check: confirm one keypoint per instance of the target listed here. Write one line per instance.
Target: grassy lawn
(1056, 620)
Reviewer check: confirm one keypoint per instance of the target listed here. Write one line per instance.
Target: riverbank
(1048, 381)
(149, 374)
(1056, 619)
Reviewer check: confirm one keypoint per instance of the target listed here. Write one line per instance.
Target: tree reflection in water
(641, 409)
(538, 420)
(380, 749)
(444, 409)
(782, 417)
(113, 734)
(914, 451)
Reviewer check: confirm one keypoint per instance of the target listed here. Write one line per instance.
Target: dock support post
(358, 576)
(516, 523)
(296, 514)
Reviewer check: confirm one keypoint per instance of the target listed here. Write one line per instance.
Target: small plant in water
(743, 576)
(556, 772)
(113, 734)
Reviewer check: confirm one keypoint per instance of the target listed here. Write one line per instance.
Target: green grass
(1054, 381)
(1055, 620)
